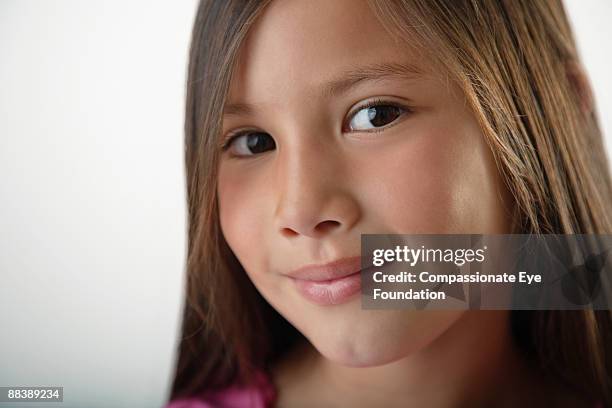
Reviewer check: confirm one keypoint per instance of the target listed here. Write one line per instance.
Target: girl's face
(311, 167)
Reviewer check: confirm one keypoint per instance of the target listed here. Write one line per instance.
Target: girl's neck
(474, 363)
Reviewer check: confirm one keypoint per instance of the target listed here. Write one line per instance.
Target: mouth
(328, 284)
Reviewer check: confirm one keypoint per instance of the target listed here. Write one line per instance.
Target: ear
(578, 79)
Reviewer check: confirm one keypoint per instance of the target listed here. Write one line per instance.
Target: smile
(329, 284)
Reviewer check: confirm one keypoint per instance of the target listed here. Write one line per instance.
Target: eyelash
(229, 139)
(373, 103)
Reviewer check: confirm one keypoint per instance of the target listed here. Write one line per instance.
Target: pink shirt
(259, 395)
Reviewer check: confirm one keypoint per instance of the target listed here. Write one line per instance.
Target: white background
(593, 33)
(92, 215)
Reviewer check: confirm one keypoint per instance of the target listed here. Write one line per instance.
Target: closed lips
(329, 284)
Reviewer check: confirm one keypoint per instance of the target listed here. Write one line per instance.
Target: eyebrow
(346, 81)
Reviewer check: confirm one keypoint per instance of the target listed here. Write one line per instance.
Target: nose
(314, 197)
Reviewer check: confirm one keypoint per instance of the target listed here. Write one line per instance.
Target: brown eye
(372, 117)
(251, 143)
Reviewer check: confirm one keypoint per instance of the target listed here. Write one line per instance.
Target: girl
(312, 122)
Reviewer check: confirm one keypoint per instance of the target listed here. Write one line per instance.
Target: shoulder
(260, 394)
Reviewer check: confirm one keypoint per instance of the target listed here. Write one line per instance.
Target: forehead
(295, 46)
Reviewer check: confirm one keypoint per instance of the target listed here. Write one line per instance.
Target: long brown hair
(517, 64)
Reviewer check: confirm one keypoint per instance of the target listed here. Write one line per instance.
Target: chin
(362, 360)
(361, 346)
(375, 338)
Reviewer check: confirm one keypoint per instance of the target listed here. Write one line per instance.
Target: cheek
(439, 178)
(241, 206)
